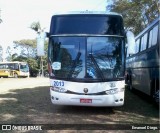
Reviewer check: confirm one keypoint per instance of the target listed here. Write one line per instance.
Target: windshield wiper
(74, 64)
(75, 61)
(97, 67)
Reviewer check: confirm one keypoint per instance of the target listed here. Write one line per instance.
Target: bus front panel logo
(85, 90)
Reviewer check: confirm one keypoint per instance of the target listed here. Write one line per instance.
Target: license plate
(85, 100)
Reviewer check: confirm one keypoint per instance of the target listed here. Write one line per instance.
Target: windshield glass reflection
(70, 52)
(104, 57)
(92, 58)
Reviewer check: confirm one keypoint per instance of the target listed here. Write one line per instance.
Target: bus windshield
(87, 24)
(87, 58)
(24, 67)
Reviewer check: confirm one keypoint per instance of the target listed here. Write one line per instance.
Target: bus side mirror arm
(47, 34)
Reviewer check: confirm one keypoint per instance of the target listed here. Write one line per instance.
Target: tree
(37, 28)
(27, 47)
(9, 53)
(34, 68)
(27, 53)
(137, 14)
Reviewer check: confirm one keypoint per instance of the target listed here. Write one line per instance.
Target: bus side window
(153, 36)
(11, 66)
(144, 42)
(2, 66)
(7, 66)
(16, 67)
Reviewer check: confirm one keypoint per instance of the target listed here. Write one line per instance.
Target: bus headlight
(112, 91)
(58, 89)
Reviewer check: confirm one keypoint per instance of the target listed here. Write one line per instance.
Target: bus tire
(155, 90)
(130, 84)
(15, 75)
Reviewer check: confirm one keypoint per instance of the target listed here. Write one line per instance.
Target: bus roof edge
(87, 12)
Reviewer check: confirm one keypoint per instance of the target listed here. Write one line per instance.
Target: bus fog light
(112, 91)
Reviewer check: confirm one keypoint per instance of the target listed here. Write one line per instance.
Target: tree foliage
(27, 42)
(28, 50)
(35, 26)
(137, 14)
(27, 47)
(25, 51)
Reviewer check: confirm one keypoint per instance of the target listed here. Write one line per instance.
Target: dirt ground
(27, 101)
(8, 84)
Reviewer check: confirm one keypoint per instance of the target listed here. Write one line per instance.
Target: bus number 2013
(58, 83)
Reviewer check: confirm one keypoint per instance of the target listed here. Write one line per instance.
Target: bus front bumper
(87, 100)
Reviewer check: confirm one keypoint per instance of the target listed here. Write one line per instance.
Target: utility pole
(40, 48)
(42, 67)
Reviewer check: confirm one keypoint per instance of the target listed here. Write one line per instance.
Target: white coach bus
(86, 59)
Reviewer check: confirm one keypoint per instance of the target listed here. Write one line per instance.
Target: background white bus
(86, 59)
(14, 69)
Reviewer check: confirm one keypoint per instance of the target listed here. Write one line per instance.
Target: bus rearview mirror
(40, 43)
(130, 42)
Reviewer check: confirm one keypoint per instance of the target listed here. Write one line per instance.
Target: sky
(18, 15)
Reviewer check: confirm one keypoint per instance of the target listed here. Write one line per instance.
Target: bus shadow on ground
(33, 106)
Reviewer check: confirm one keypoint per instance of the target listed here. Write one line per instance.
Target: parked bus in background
(14, 69)
(143, 66)
(86, 59)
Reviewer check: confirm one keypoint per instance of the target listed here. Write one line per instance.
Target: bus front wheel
(15, 75)
(130, 84)
(155, 90)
